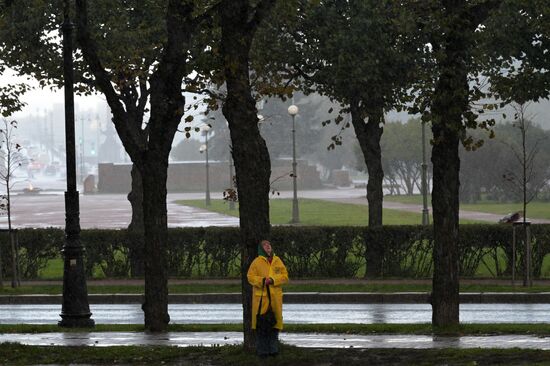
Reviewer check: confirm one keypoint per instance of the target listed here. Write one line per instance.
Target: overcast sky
(38, 100)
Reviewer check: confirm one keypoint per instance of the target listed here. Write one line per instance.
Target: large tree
(446, 95)
(239, 20)
(518, 48)
(127, 35)
(226, 77)
(362, 55)
(519, 70)
(518, 59)
(147, 144)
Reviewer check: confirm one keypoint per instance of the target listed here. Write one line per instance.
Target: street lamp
(75, 310)
(205, 129)
(293, 111)
(425, 211)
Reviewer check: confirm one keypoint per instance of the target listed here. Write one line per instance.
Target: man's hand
(268, 281)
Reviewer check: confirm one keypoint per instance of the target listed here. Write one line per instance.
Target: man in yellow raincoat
(267, 270)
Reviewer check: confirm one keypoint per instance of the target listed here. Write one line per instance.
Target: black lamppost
(75, 310)
(425, 211)
(204, 149)
(293, 111)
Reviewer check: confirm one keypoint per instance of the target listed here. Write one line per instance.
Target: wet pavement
(103, 211)
(113, 210)
(291, 298)
(314, 340)
(292, 313)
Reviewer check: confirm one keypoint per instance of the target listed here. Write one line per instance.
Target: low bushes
(397, 251)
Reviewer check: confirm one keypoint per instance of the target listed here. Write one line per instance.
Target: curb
(294, 298)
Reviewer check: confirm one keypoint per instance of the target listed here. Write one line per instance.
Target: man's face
(267, 247)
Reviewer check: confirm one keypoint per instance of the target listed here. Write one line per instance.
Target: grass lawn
(53, 270)
(16, 354)
(318, 212)
(536, 210)
(415, 199)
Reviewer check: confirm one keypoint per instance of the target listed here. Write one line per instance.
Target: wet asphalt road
(316, 340)
(47, 209)
(292, 313)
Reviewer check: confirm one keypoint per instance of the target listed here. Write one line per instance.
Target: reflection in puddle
(293, 313)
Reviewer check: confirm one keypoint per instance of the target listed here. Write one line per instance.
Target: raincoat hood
(262, 252)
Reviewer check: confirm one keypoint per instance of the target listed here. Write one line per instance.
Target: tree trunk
(446, 165)
(167, 108)
(369, 135)
(373, 159)
(253, 170)
(155, 308)
(136, 227)
(250, 154)
(449, 104)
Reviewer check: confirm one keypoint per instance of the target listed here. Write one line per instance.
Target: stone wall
(191, 176)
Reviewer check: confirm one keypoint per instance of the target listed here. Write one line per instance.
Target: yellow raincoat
(259, 269)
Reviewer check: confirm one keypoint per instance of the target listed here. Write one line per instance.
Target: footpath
(314, 340)
(317, 340)
(344, 297)
(113, 210)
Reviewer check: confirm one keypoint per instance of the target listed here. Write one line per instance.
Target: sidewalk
(114, 211)
(316, 340)
(318, 297)
(295, 298)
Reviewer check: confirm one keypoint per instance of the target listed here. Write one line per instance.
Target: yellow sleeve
(253, 274)
(280, 274)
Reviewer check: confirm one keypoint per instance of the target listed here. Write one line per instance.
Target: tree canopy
(517, 51)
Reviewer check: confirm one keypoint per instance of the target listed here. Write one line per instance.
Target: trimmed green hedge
(396, 251)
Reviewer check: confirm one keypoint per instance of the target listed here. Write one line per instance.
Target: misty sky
(39, 100)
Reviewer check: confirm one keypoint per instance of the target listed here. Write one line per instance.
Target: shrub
(404, 251)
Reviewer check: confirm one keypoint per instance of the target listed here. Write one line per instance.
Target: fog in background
(41, 133)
